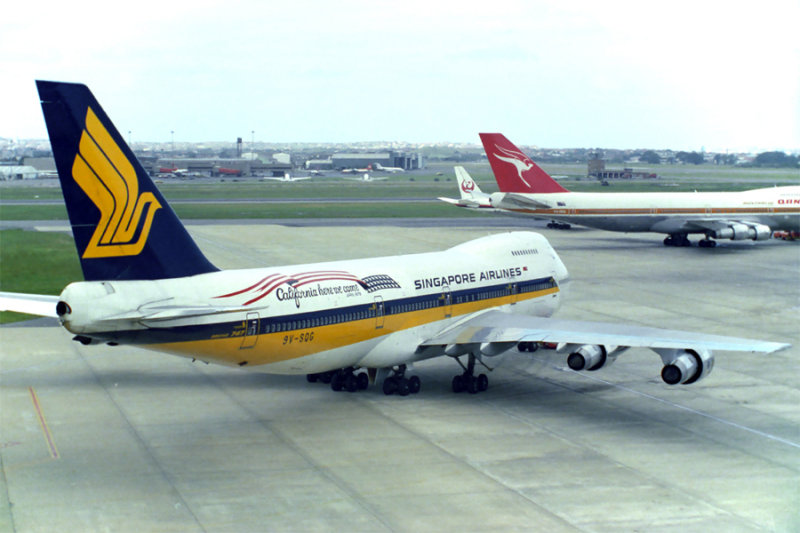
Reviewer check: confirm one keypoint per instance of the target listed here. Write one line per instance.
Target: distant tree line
(776, 159)
(764, 159)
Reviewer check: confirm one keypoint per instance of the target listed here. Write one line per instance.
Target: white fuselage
(777, 207)
(318, 317)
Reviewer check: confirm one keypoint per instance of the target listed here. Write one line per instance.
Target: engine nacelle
(738, 232)
(762, 232)
(590, 356)
(687, 367)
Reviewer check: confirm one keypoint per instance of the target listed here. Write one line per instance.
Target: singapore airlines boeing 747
(348, 322)
(526, 189)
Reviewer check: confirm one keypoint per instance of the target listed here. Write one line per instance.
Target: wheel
(483, 382)
(402, 387)
(363, 381)
(326, 377)
(414, 384)
(472, 385)
(668, 241)
(351, 382)
(312, 378)
(337, 381)
(458, 383)
(389, 385)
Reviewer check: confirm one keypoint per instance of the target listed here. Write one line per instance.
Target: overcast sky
(680, 74)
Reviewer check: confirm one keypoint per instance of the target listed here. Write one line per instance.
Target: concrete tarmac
(105, 438)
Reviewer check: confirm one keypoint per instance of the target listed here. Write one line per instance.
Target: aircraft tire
(390, 385)
(337, 381)
(458, 383)
(483, 382)
(312, 378)
(414, 384)
(472, 385)
(402, 387)
(351, 382)
(363, 381)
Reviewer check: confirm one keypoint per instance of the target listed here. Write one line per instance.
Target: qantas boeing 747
(351, 322)
(526, 189)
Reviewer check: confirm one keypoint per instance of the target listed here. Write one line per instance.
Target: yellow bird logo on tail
(109, 180)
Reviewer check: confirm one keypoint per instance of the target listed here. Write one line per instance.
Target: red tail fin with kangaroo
(513, 170)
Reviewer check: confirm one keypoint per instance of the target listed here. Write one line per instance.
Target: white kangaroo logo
(518, 159)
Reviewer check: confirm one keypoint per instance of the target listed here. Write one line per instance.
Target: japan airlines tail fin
(123, 228)
(471, 194)
(513, 170)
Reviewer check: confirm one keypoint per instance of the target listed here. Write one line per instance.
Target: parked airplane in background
(149, 285)
(393, 170)
(527, 189)
(288, 177)
(368, 168)
(471, 194)
(168, 171)
(366, 177)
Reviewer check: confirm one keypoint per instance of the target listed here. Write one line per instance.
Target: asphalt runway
(116, 438)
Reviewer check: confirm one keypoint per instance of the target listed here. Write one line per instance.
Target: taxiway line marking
(48, 436)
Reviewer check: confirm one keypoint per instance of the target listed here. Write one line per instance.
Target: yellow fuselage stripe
(286, 345)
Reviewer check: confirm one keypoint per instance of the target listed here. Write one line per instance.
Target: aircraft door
(251, 331)
(514, 290)
(379, 312)
(447, 298)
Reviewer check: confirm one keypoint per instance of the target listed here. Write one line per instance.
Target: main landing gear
(397, 383)
(677, 239)
(343, 379)
(558, 225)
(681, 239)
(468, 381)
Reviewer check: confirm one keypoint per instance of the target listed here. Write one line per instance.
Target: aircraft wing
(510, 200)
(31, 304)
(718, 228)
(711, 224)
(498, 327)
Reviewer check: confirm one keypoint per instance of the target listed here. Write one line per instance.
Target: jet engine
(590, 356)
(738, 232)
(687, 367)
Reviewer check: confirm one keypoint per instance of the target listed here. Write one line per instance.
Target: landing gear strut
(468, 381)
(397, 383)
(677, 239)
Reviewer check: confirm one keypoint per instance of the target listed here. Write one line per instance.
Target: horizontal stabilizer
(511, 200)
(31, 304)
(462, 202)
